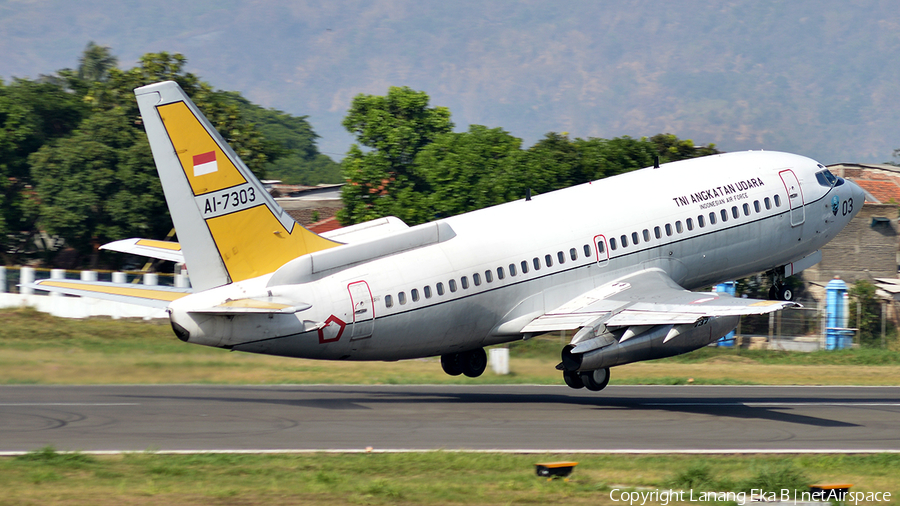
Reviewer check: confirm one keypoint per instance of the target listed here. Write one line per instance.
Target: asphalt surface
(341, 417)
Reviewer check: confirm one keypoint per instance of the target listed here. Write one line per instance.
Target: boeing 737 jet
(613, 260)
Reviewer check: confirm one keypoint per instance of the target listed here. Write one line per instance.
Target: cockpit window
(826, 178)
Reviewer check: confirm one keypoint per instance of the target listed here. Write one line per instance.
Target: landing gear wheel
(773, 293)
(785, 293)
(573, 379)
(595, 380)
(451, 364)
(473, 362)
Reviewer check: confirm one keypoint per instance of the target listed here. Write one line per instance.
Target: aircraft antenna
(656, 162)
(528, 194)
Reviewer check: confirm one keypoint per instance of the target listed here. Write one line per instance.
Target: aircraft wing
(649, 297)
(162, 250)
(142, 295)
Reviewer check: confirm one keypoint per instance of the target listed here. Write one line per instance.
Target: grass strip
(36, 348)
(45, 477)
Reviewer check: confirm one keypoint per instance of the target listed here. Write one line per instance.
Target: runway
(453, 417)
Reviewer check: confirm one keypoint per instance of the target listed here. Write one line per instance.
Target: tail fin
(229, 227)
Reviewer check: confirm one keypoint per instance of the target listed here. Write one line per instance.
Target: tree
(98, 185)
(865, 312)
(470, 170)
(293, 155)
(96, 62)
(671, 149)
(382, 180)
(31, 115)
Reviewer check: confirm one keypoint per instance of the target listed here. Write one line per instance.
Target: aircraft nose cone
(858, 195)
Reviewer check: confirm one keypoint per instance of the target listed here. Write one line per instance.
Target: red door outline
(603, 256)
(362, 308)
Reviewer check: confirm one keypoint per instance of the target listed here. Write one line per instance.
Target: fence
(14, 295)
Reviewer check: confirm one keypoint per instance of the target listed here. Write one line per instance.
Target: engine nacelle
(656, 342)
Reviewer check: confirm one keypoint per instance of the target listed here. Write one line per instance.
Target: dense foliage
(408, 163)
(76, 168)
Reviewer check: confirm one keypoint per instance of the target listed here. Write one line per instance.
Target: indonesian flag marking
(205, 164)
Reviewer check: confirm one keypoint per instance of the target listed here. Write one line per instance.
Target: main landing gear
(592, 380)
(471, 363)
(779, 290)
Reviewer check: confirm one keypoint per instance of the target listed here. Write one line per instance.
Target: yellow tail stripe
(142, 293)
(192, 143)
(252, 242)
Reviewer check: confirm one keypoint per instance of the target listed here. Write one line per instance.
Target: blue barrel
(836, 305)
(729, 288)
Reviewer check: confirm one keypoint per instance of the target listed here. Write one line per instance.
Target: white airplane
(615, 258)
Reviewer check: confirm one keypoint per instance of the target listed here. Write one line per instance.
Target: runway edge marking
(502, 451)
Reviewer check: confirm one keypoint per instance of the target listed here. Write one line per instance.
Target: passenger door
(363, 310)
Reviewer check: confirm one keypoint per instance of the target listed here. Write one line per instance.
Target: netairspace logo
(664, 497)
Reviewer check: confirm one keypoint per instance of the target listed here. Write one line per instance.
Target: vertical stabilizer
(229, 227)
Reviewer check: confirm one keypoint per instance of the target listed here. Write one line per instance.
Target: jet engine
(606, 347)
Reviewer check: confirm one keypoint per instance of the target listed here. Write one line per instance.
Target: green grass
(36, 348)
(47, 477)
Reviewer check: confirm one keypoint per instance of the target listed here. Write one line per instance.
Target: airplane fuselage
(701, 221)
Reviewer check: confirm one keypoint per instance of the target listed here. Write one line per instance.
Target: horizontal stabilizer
(142, 295)
(162, 250)
(255, 305)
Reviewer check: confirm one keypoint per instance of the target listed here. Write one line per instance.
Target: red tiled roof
(884, 191)
(326, 225)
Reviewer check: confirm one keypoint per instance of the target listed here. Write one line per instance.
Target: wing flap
(142, 295)
(649, 297)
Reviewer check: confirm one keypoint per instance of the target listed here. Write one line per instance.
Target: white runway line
(40, 404)
(773, 404)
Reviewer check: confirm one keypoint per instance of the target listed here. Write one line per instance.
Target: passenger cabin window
(678, 227)
(500, 274)
(746, 209)
(724, 214)
(440, 288)
(427, 291)
(712, 218)
(524, 265)
(756, 205)
(388, 301)
(453, 284)
(548, 260)
(488, 276)
(464, 281)
(415, 294)
(634, 238)
(777, 200)
(624, 240)
(476, 278)
(573, 254)
(657, 233)
(700, 221)
(690, 223)
(561, 257)
(401, 298)
(512, 269)
(768, 203)
(646, 234)
(601, 247)
(668, 229)
(587, 251)
(537, 263)
(612, 243)
(734, 212)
